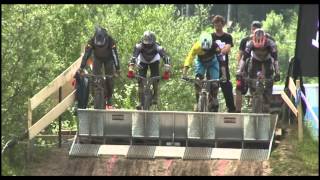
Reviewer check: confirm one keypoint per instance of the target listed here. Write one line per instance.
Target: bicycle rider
(147, 53)
(263, 55)
(103, 49)
(207, 54)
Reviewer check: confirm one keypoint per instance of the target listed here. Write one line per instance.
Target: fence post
(29, 114)
(60, 98)
(300, 113)
(29, 124)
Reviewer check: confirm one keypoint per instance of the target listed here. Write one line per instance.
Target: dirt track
(59, 163)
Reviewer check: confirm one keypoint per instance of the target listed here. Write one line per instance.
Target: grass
(293, 158)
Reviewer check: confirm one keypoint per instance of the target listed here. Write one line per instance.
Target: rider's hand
(166, 75)
(130, 74)
(80, 71)
(277, 77)
(130, 71)
(238, 84)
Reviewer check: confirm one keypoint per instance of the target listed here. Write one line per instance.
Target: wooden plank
(52, 136)
(52, 115)
(289, 103)
(29, 114)
(300, 115)
(54, 85)
(67, 88)
(292, 87)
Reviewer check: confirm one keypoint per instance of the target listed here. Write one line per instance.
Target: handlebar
(150, 78)
(257, 79)
(98, 76)
(192, 80)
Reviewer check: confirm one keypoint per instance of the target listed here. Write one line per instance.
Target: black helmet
(149, 38)
(100, 36)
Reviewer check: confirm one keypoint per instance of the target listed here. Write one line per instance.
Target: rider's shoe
(154, 101)
(231, 110)
(108, 106)
(139, 107)
(195, 107)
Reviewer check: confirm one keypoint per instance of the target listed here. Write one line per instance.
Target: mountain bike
(259, 96)
(147, 90)
(207, 102)
(99, 92)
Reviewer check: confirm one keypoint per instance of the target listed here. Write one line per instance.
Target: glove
(80, 71)
(130, 72)
(166, 75)
(277, 77)
(238, 84)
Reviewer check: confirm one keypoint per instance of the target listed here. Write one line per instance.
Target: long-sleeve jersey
(149, 54)
(203, 55)
(105, 52)
(261, 54)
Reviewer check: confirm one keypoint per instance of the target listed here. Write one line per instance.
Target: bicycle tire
(257, 104)
(147, 102)
(203, 105)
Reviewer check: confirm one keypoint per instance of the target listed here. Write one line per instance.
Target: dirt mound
(57, 163)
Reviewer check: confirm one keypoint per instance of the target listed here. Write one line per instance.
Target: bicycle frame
(203, 102)
(96, 81)
(147, 92)
(99, 81)
(259, 84)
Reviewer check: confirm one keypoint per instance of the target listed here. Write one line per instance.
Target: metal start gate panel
(176, 129)
(172, 124)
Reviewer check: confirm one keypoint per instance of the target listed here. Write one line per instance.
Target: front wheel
(203, 104)
(147, 102)
(257, 104)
